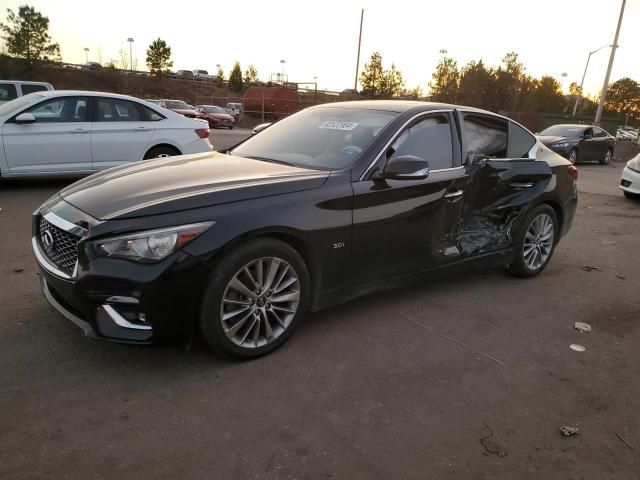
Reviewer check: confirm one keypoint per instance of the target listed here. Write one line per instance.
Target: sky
(319, 39)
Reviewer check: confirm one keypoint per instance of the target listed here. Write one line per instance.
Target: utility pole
(355, 84)
(605, 86)
(130, 40)
(86, 54)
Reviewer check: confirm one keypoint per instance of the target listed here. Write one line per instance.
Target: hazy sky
(320, 38)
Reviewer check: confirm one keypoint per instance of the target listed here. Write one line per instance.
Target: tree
(26, 35)
(509, 78)
(549, 96)
(444, 85)
(372, 77)
(159, 57)
(220, 77)
(475, 84)
(623, 96)
(413, 94)
(235, 78)
(392, 84)
(251, 76)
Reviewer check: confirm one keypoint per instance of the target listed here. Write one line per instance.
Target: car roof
(571, 125)
(401, 106)
(85, 93)
(25, 82)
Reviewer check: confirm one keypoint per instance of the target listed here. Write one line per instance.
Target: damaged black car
(330, 203)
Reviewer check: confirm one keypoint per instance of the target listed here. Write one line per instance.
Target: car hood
(172, 184)
(549, 140)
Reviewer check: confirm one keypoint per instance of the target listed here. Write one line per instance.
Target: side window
(588, 131)
(598, 132)
(7, 92)
(486, 136)
(59, 110)
(27, 89)
(429, 138)
(520, 141)
(150, 115)
(113, 110)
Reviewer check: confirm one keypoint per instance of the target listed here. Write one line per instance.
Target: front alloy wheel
(573, 155)
(607, 158)
(260, 302)
(255, 297)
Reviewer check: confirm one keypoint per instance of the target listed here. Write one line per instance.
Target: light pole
(564, 77)
(86, 54)
(282, 62)
(575, 107)
(315, 90)
(130, 40)
(605, 85)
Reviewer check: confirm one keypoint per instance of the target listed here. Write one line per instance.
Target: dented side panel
(501, 191)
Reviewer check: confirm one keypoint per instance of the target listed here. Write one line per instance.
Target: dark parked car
(178, 106)
(216, 116)
(580, 143)
(330, 203)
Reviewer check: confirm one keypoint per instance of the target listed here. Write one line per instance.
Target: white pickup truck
(12, 89)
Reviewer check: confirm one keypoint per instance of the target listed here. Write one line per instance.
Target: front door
(405, 226)
(58, 142)
(120, 134)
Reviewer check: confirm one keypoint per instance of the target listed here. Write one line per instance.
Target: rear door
(405, 226)
(121, 132)
(58, 142)
(505, 179)
(588, 146)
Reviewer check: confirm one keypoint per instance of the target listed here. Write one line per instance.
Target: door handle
(80, 130)
(453, 196)
(522, 185)
(141, 129)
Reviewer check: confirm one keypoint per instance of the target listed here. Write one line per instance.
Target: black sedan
(580, 143)
(330, 203)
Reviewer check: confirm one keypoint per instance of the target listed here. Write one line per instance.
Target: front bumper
(564, 151)
(630, 181)
(122, 301)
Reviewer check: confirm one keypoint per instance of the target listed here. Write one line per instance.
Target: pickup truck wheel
(534, 242)
(255, 298)
(160, 152)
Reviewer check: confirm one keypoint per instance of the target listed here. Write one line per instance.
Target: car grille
(62, 250)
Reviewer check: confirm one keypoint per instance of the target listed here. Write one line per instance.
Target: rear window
(520, 141)
(7, 92)
(27, 89)
(486, 136)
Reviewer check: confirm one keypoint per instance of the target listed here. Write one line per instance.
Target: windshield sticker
(339, 125)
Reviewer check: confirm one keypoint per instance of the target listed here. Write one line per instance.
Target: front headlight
(561, 145)
(152, 245)
(634, 164)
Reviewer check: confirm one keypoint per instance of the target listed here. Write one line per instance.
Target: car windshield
(325, 137)
(214, 110)
(561, 131)
(9, 107)
(177, 104)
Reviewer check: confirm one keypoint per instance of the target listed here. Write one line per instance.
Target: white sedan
(77, 133)
(630, 182)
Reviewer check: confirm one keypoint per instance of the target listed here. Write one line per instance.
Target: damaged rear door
(505, 180)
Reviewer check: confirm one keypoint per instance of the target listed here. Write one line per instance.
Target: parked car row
(627, 134)
(216, 117)
(579, 143)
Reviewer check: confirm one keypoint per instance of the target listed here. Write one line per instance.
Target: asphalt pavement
(466, 377)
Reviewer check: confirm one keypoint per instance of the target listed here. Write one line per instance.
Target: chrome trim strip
(400, 130)
(85, 326)
(522, 185)
(121, 299)
(48, 266)
(61, 223)
(456, 194)
(121, 321)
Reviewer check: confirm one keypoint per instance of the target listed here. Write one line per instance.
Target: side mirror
(406, 167)
(25, 118)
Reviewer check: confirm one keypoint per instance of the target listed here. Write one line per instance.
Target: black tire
(162, 151)
(608, 157)
(631, 195)
(518, 266)
(573, 155)
(209, 319)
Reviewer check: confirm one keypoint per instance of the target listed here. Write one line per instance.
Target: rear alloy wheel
(160, 152)
(534, 243)
(573, 155)
(255, 298)
(607, 158)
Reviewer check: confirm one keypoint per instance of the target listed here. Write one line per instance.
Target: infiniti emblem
(47, 240)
